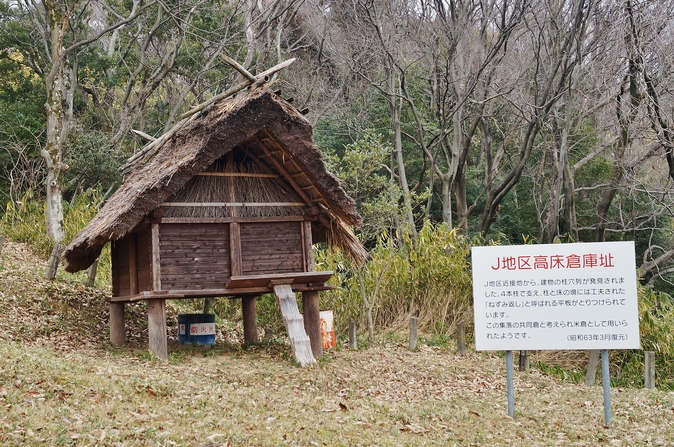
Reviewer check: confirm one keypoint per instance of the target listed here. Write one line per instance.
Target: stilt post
(156, 327)
(312, 321)
(249, 319)
(117, 324)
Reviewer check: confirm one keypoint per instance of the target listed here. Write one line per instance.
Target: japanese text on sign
(561, 296)
(555, 261)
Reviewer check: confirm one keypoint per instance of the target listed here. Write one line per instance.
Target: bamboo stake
(649, 367)
(353, 339)
(461, 339)
(413, 333)
(150, 148)
(240, 68)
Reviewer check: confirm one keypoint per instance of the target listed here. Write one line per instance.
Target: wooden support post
(156, 327)
(649, 369)
(91, 274)
(592, 364)
(307, 243)
(117, 324)
(413, 333)
(249, 319)
(461, 339)
(312, 321)
(524, 361)
(353, 338)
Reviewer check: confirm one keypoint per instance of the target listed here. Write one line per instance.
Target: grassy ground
(62, 384)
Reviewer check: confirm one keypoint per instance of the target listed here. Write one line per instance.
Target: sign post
(510, 384)
(556, 296)
(606, 384)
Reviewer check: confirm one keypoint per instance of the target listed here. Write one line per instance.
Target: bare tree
(64, 29)
(555, 35)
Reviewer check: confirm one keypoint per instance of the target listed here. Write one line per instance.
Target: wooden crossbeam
(238, 174)
(231, 204)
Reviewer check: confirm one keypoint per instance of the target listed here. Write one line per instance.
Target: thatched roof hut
(270, 138)
(228, 203)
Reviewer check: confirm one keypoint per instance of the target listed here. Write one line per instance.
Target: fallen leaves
(60, 385)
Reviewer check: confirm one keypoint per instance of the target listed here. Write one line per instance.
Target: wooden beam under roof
(283, 171)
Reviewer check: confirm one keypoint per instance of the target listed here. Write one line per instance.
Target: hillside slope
(61, 384)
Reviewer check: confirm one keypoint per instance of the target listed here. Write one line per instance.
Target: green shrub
(428, 277)
(25, 222)
(656, 324)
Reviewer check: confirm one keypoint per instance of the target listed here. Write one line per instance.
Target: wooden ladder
(294, 323)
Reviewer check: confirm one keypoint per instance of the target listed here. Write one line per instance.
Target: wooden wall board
(114, 259)
(120, 268)
(194, 256)
(271, 247)
(144, 259)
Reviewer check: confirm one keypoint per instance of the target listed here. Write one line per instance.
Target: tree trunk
(60, 86)
(394, 106)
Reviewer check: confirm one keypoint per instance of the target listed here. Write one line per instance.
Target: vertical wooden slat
(114, 260)
(156, 258)
(156, 327)
(312, 321)
(235, 249)
(133, 264)
(236, 267)
(307, 243)
(231, 186)
(117, 325)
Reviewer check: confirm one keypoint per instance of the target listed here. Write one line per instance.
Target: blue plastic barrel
(196, 329)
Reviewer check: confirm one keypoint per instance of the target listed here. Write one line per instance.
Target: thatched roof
(256, 121)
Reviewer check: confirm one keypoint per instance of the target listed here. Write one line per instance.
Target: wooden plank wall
(144, 260)
(131, 268)
(120, 268)
(194, 256)
(271, 247)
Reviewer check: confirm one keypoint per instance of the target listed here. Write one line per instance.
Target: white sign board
(555, 296)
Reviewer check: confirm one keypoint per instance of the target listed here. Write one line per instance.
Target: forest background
(451, 123)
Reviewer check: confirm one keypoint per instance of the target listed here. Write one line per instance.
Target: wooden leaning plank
(294, 323)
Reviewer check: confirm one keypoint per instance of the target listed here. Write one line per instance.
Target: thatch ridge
(191, 147)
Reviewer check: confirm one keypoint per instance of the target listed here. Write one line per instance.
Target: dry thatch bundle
(274, 169)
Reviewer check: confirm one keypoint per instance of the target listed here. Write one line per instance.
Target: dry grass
(61, 385)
